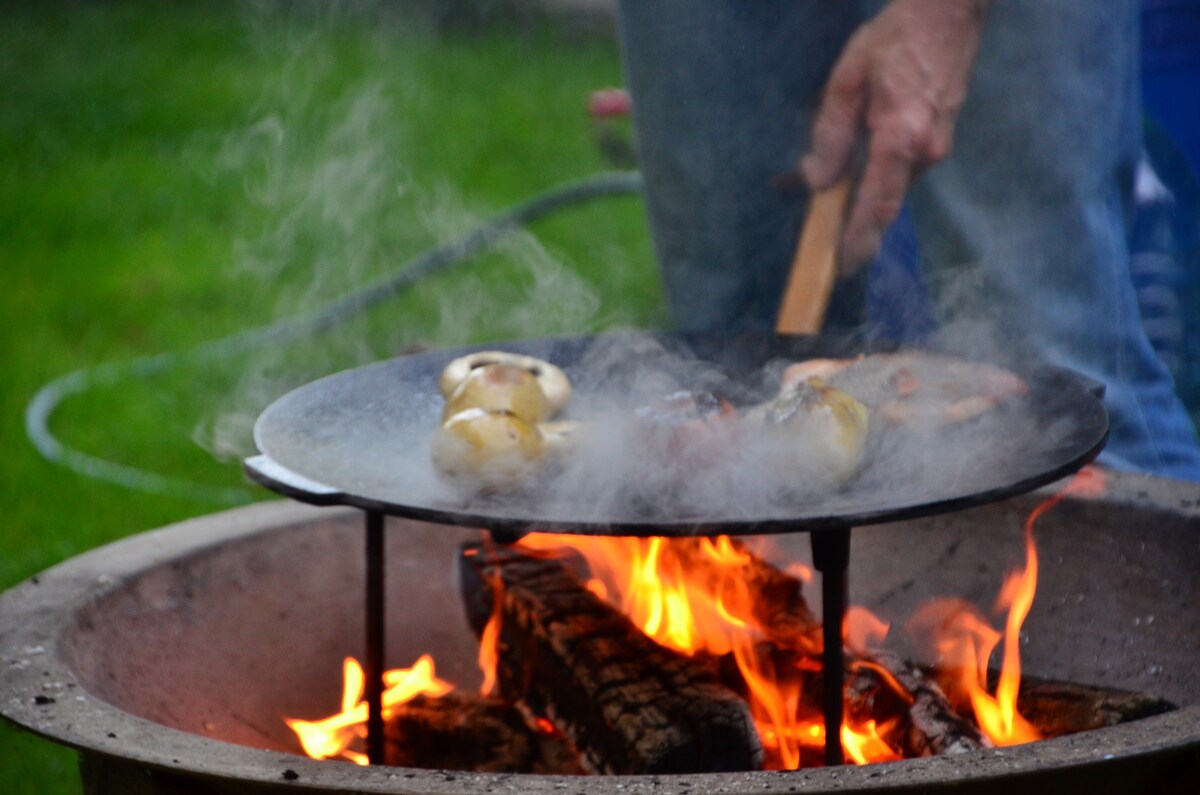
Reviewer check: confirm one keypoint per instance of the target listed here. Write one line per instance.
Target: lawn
(175, 173)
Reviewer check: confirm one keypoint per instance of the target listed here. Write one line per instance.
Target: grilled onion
(817, 431)
(553, 381)
(500, 387)
(487, 449)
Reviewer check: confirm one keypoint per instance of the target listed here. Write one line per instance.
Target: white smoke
(336, 204)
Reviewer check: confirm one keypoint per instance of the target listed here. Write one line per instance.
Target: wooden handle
(814, 268)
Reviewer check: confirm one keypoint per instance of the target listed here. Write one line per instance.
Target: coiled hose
(40, 409)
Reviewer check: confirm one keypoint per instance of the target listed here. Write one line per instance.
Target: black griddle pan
(360, 438)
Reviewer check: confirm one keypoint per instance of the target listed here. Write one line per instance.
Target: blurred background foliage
(176, 172)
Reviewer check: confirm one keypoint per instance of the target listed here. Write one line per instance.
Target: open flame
(693, 595)
(866, 746)
(489, 642)
(649, 581)
(862, 629)
(965, 642)
(657, 583)
(332, 736)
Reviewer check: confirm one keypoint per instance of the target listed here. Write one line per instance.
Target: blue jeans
(1023, 230)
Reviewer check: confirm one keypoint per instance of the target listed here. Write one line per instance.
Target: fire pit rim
(42, 695)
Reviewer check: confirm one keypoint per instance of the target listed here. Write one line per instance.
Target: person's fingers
(838, 121)
(940, 141)
(900, 83)
(895, 154)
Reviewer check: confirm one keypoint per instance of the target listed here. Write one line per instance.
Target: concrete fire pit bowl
(169, 659)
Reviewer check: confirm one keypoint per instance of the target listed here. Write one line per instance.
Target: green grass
(172, 173)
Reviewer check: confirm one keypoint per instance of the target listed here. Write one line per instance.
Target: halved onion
(817, 431)
(553, 381)
(487, 449)
(500, 387)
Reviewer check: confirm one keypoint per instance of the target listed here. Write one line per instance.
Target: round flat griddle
(361, 437)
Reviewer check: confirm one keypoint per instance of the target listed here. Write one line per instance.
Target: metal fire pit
(168, 659)
(360, 437)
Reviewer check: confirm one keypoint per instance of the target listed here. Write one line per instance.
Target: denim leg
(1027, 223)
(1024, 231)
(723, 96)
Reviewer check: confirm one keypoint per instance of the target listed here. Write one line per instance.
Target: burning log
(878, 685)
(914, 715)
(933, 726)
(464, 731)
(777, 598)
(1055, 708)
(626, 703)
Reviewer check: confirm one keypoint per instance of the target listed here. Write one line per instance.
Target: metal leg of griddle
(831, 557)
(373, 668)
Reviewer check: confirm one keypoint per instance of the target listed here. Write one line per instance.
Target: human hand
(899, 83)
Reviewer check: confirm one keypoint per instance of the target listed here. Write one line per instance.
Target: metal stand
(373, 668)
(831, 557)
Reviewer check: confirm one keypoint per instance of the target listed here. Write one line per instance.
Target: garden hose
(40, 410)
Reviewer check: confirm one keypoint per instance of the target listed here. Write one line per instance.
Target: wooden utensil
(814, 267)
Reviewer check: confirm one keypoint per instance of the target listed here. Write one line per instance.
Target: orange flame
(489, 640)
(774, 704)
(692, 595)
(862, 629)
(332, 736)
(648, 580)
(866, 745)
(597, 588)
(965, 642)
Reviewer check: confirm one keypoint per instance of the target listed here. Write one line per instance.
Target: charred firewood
(1058, 708)
(878, 685)
(912, 713)
(464, 731)
(626, 703)
(933, 727)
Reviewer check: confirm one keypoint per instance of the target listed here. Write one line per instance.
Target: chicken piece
(948, 391)
(915, 388)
